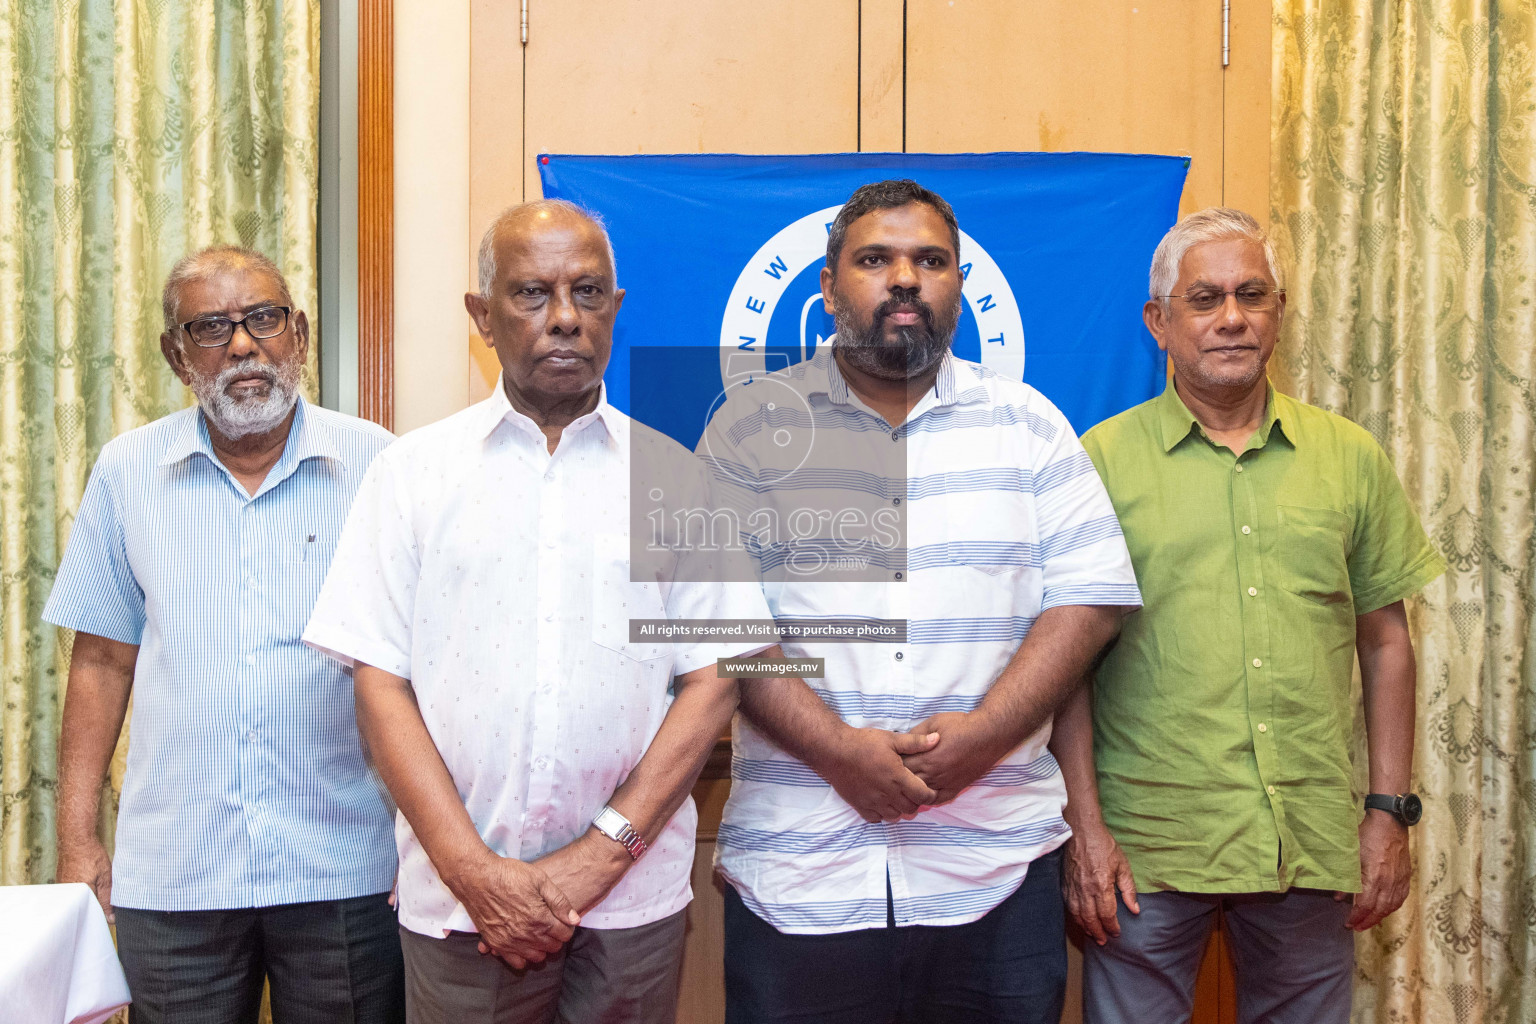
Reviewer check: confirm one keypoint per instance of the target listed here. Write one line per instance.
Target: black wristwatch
(1405, 807)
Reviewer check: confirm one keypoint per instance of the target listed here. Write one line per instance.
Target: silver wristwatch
(617, 827)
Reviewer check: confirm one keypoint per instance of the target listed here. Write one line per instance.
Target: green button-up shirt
(1223, 717)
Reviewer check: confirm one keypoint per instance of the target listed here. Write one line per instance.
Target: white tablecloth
(57, 962)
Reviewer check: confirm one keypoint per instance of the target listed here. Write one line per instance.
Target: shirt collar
(1178, 422)
(307, 439)
(957, 383)
(498, 409)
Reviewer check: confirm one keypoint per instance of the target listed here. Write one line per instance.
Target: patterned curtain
(1404, 185)
(130, 133)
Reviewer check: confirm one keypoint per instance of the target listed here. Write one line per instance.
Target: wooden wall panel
(376, 212)
(1104, 75)
(882, 76)
(1245, 121)
(495, 147)
(702, 998)
(708, 76)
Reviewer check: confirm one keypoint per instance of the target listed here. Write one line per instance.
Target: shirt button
(1239, 467)
(1247, 530)
(1257, 663)
(895, 501)
(899, 655)
(550, 617)
(542, 763)
(1263, 727)
(250, 659)
(1270, 790)
(1253, 592)
(895, 435)
(899, 575)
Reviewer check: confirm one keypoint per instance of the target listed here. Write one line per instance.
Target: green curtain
(1404, 187)
(130, 134)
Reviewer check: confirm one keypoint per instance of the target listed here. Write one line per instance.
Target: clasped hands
(525, 911)
(887, 776)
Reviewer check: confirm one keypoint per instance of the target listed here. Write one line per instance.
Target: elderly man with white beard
(253, 838)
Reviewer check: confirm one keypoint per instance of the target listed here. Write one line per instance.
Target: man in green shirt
(1209, 765)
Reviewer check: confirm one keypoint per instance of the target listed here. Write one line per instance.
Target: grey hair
(205, 263)
(487, 261)
(1216, 224)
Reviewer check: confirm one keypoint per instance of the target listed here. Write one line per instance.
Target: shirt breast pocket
(1312, 553)
(312, 553)
(991, 534)
(308, 559)
(616, 600)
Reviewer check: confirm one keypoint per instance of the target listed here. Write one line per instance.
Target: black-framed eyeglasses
(261, 323)
(1252, 297)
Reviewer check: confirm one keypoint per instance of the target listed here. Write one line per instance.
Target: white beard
(241, 417)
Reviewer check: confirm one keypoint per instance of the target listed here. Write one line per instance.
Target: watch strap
(1405, 807)
(1383, 802)
(617, 827)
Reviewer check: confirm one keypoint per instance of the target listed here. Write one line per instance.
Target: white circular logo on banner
(784, 258)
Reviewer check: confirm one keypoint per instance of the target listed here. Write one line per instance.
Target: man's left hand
(969, 746)
(585, 870)
(1385, 870)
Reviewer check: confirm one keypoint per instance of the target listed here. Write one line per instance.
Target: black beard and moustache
(921, 345)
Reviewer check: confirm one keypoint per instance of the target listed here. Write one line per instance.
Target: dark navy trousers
(1009, 966)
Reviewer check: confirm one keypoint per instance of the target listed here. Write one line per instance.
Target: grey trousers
(328, 962)
(1295, 960)
(602, 976)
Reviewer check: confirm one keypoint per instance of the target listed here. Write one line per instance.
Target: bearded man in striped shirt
(891, 839)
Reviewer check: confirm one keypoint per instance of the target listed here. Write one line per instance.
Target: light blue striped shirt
(246, 784)
(1004, 519)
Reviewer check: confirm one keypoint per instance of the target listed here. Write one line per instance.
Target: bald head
(547, 304)
(517, 223)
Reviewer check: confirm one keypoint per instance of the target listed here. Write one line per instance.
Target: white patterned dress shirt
(1005, 518)
(496, 577)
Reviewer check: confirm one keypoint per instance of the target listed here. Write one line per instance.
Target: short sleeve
(1390, 556)
(728, 600)
(363, 613)
(733, 472)
(718, 582)
(96, 590)
(1082, 550)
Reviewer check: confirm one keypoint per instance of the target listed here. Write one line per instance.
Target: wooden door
(1135, 77)
(1143, 76)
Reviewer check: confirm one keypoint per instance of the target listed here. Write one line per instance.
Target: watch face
(1412, 809)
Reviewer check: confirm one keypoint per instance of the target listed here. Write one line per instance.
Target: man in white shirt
(483, 592)
(891, 840)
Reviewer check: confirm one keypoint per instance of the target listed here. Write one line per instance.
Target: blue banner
(720, 257)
